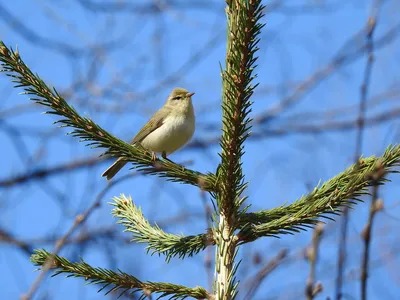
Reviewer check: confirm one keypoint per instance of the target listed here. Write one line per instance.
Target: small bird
(169, 129)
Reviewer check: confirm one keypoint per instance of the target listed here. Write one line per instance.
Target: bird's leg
(164, 155)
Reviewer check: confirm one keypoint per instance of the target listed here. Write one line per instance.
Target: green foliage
(88, 131)
(116, 281)
(345, 189)
(158, 241)
(244, 27)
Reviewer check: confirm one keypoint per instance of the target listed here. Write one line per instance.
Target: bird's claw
(153, 155)
(164, 156)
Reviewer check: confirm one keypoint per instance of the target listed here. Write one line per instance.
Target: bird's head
(179, 97)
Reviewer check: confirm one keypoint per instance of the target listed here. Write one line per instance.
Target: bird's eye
(178, 98)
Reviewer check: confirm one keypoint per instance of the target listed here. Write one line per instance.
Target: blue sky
(146, 56)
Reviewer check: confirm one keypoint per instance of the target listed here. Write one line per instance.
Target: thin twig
(312, 254)
(263, 273)
(375, 206)
(342, 58)
(45, 172)
(7, 237)
(371, 24)
(79, 220)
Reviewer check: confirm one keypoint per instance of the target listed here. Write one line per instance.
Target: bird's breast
(173, 134)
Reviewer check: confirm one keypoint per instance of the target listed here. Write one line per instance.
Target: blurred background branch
(117, 60)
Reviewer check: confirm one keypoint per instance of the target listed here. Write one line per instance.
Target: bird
(168, 130)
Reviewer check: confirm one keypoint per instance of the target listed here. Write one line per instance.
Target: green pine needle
(158, 241)
(115, 281)
(244, 25)
(88, 131)
(345, 189)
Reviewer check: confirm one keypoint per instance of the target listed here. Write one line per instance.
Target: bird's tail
(114, 169)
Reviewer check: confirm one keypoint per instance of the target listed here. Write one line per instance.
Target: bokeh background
(117, 61)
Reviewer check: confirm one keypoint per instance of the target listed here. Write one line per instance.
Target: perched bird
(169, 129)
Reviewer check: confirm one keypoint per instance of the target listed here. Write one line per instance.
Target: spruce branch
(343, 190)
(243, 29)
(88, 131)
(116, 281)
(158, 241)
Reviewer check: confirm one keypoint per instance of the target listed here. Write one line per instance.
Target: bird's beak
(190, 94)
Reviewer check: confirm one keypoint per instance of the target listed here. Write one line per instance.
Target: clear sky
(117, 66)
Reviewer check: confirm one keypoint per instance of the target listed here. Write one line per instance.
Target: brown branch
(263, 273)
(329, 126)
(364, 90)
(6, 237)
(312, 254)
(156, 7)
(340, 60)
(375, 206)
(383, 98)
(370, 28)
(79, 219)
(259, 133)
(45, 172)
(279, 6)
(39, 41)
(186, 67)
(148, 8)
(84, 237)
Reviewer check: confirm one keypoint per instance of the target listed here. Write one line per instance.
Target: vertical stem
(208, 257)
(313, 289)
(371, 24)
(225, 256)
(367, 235)
(342, 253)
(243, 28)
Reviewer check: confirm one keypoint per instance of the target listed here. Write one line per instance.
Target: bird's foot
(153, 156)
(164, 156)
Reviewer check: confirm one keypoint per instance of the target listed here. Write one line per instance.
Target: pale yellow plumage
(169, 129)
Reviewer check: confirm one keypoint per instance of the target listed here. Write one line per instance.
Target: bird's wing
(156, 121)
